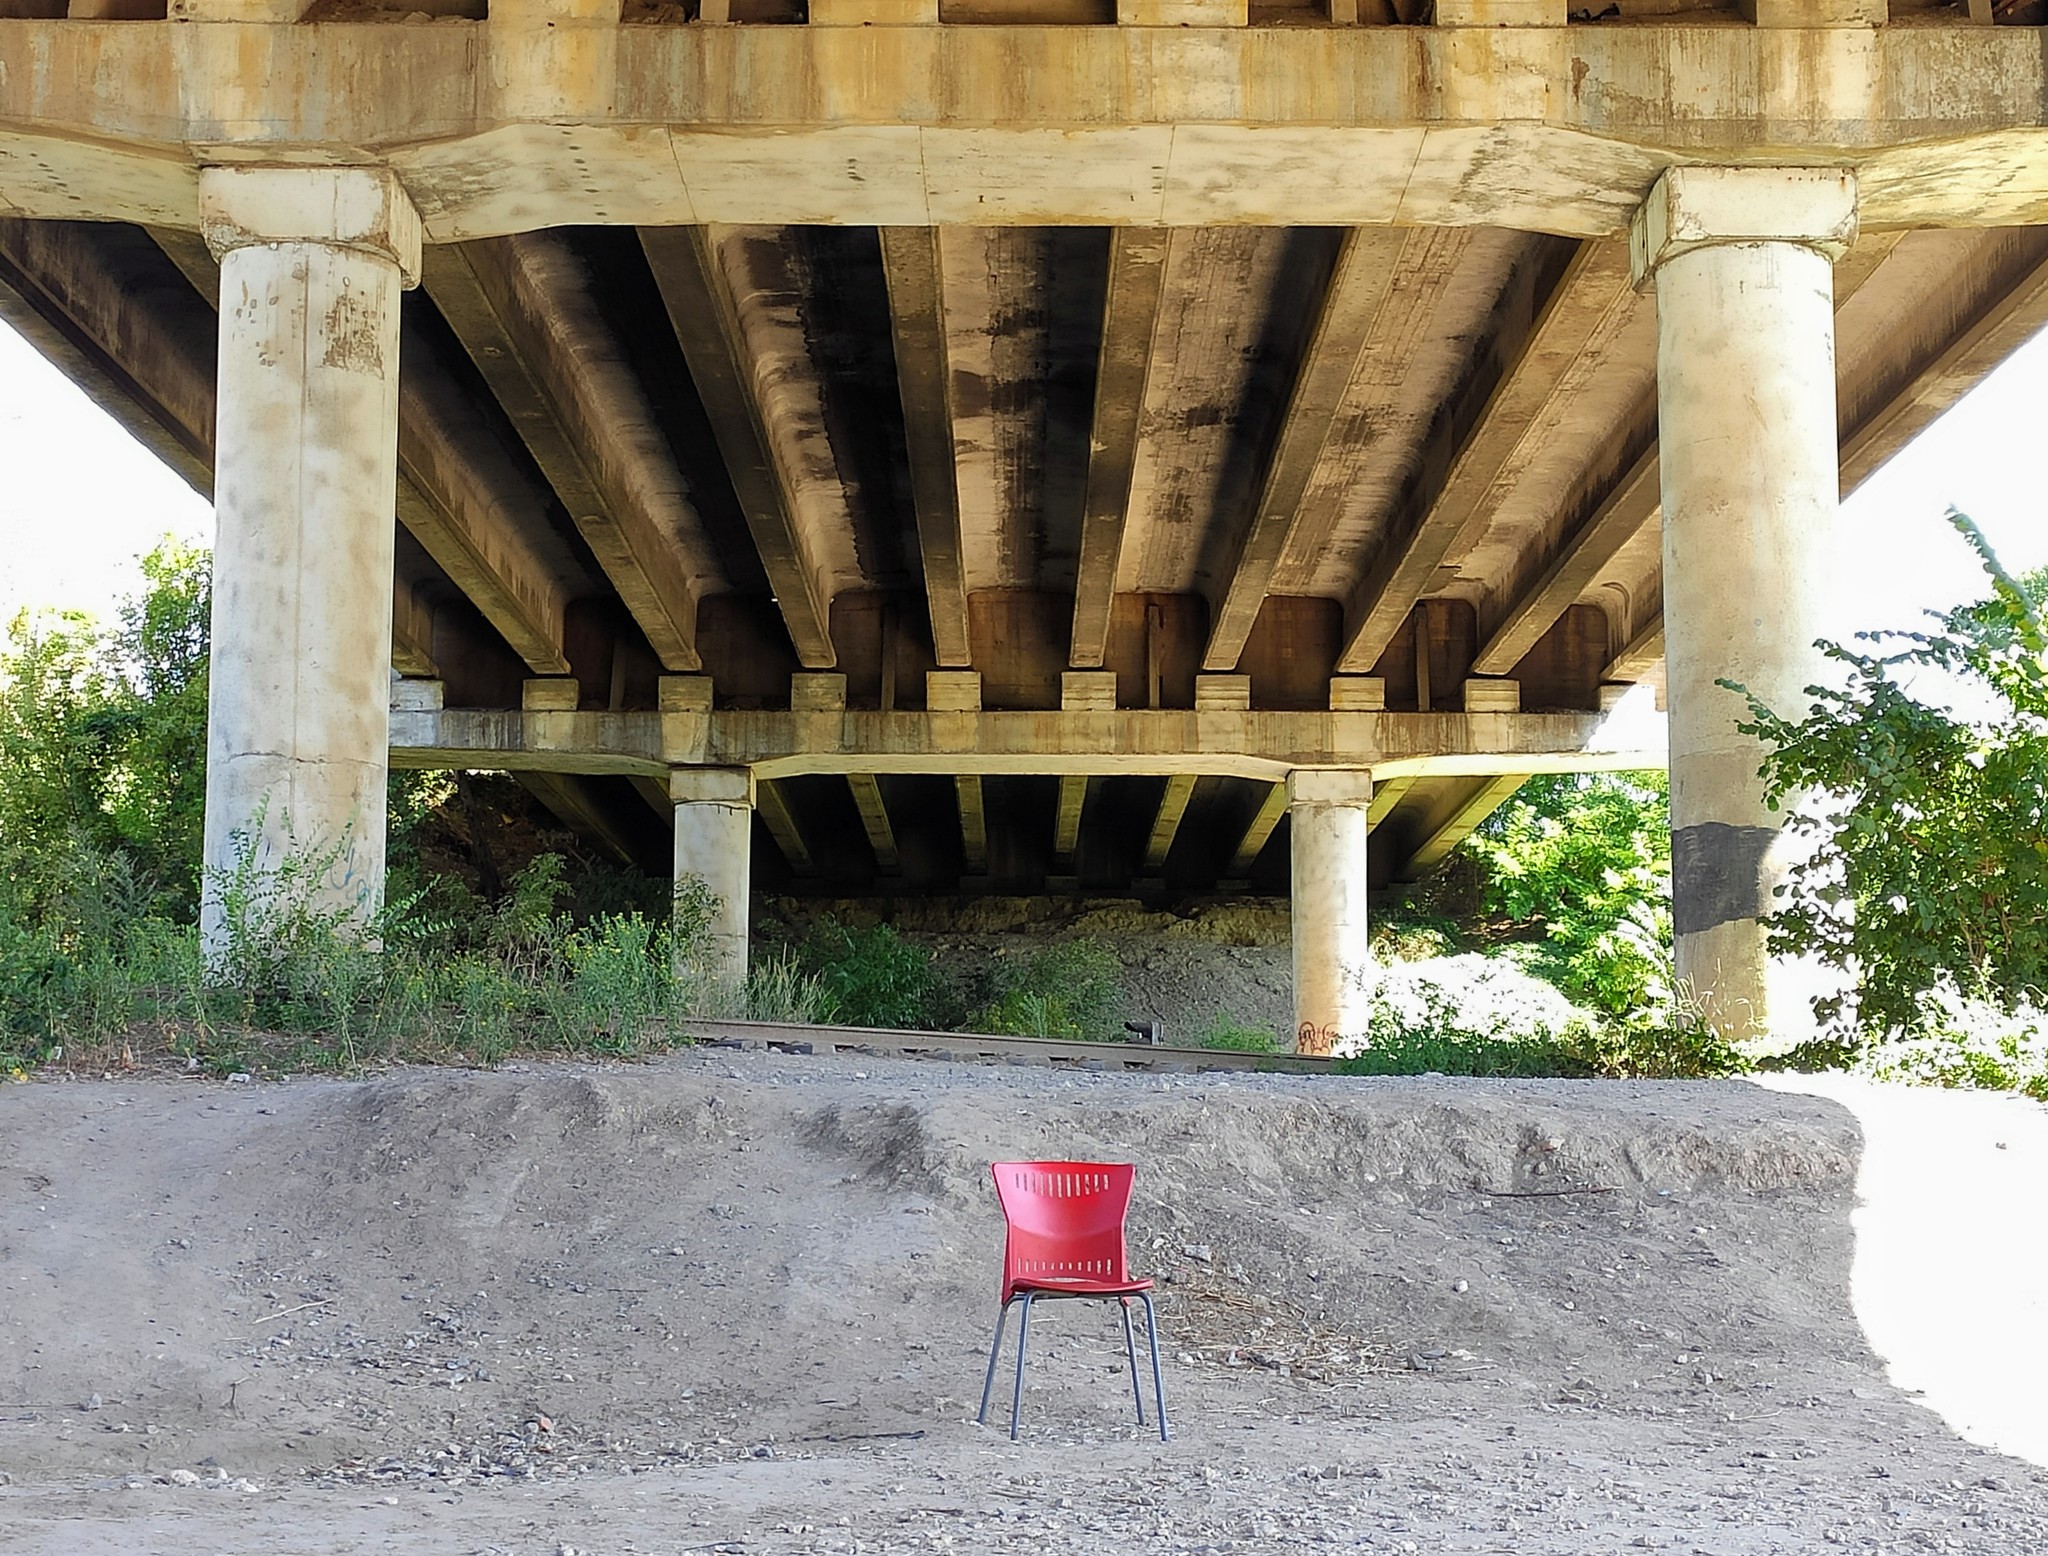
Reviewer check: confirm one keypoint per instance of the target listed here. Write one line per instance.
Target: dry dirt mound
(765, 1284)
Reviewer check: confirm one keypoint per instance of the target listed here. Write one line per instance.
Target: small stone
(92, 1403)
(1201, 1253)
(1461, 1287)
(183, 1478)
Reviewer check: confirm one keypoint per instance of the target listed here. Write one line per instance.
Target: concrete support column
(1328, 819)
(312, 264)
(714, 842)
(1741, 260)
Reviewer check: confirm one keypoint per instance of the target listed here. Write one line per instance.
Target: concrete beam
(506, 125)
(1644, 653)
(2007, 322)
(1634, 499)
(1066, 841)
(1347, 320)
(522, 309)
(1173, 805)
(1579, 560)
(772, 805)
(1453, 823)
(1130, 319)
(1386, 794)
(61, 292)
(917, 316)
(973, 823)
(566, 795)
(706, 314)
(1546, 320)
(874, 820)
(1133, 741)
(1258, 833)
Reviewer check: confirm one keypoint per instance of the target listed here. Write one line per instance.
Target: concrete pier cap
(360, 208)
(1699, 207)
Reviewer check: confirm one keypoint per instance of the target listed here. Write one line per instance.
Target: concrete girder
(1347, 321)
(2007, 320)
(1257, 833)
(1558, 128)
(59, 290)
(1642, 655)
(1634, 500)
(1130, 318)
(1548, 319)
(973, 823)
(917, 317)
(1386, 794)
(523, 310)
(753, 426)
(773, 807)
(1264, 746)
(1073, 802)
(874, 820)
(1453, 820)
(570, 799)
(1173, 806)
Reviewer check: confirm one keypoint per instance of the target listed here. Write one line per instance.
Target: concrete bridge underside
(900, 452)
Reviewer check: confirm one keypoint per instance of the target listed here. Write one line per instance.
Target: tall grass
(96, 978)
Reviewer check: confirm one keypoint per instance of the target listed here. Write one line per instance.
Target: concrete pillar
(1333, 983)
(312, 264)
(714, 841)
(1741, 260)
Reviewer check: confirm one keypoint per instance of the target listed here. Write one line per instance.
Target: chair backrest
(1066, 1220)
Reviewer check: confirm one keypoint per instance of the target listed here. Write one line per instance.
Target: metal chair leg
(995, 1350)
(1023, 1331)
(1158, 1388)
(1131, 1355)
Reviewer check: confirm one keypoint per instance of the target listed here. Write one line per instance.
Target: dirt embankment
(742, 1302)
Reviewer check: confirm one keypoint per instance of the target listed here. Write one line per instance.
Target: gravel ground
(741, 1302)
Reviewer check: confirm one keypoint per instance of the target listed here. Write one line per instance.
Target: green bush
(1072, 989)
(1490, 1016)
(869, 977)
(1927, 828)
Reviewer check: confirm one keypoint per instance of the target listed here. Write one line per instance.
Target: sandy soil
(742, 1303)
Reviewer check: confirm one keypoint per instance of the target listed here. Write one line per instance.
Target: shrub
(1469, 1015)
(1070, 989)
(869, 977)
(1972, 1043)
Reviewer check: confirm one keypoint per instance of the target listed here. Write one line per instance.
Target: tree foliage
(1927, 826)
(103, 738)
(1579, 867)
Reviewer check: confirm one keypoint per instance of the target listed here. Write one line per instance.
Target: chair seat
(1081, 1285)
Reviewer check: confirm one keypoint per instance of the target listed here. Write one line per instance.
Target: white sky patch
(80, 499)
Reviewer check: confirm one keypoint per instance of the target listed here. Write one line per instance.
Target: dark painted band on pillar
(1717, 874)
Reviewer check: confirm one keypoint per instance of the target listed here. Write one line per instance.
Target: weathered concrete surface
(514, 124)
(1328, 823)
(714, 817)
(1267, 746)
(1746, 379)
(312, 265)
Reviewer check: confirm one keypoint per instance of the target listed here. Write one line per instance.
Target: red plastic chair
(1066, 1239)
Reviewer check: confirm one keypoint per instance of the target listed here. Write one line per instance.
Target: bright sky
(80, 499)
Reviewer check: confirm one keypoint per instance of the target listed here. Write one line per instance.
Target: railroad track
(971, 1047)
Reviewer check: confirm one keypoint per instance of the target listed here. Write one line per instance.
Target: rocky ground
(741, 1302)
